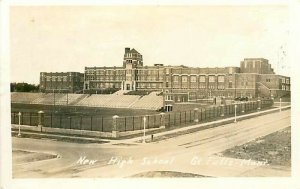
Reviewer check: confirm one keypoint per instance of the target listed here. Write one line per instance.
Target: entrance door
(128, 87)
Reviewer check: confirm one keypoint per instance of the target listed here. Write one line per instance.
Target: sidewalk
(180, 131)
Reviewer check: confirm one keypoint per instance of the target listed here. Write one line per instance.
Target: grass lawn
(274, 148)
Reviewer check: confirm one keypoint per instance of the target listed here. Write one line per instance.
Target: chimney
(127, 49)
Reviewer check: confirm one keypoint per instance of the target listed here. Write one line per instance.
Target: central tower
(132, 59)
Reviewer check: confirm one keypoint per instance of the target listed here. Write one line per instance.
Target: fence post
(243, 107)
(115, 131)
(258, 104)
(51, 120)
(80, 122)
(148, 117)
(133, 123)
(41, 120)
(70, 122)
(280, 101)
(214, 112)
(180, 118)
(102, 124)
(29, 118)
(174, 118)
(200, 114)
(222, 110)
(91, 123)
(235, 109)
(144, 136)
(162, 121)
(19, 134)
(22, 118)
(125, 123)
(14, 117)
(196, 115)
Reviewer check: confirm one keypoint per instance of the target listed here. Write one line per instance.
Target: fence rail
(133, 123)
(91, 123)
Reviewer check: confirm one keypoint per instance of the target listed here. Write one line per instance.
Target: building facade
(254, 78)
(64, 82)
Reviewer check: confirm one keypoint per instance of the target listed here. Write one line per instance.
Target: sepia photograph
(150, 91)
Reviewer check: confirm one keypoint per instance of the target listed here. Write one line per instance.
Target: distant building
(63, 82)
(254, 78)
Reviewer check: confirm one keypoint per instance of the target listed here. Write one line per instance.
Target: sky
(68, 38)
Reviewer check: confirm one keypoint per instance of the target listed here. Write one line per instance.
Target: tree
(23, 87)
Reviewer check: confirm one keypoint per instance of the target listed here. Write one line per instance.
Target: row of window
(60, 78)
(102, 78)
(176, 86)
(105, 85)
(203, 94)
(133, 55)
(104, 72)
(150, 72)
(119, 72)
(286, 88)
(250, 62)
(285, 80)
(150, 78)
(193, 79)
(149, 85)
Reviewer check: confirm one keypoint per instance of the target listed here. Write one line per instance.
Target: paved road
(193, 153)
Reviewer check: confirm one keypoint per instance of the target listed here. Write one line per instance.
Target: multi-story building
(63, 82)
(254, 78)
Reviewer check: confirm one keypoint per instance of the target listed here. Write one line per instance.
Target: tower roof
(133, 51)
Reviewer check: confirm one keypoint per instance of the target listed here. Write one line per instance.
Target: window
(283, 87)
(268, 80)
(202, 86)
(211, 79)
(167, 71)
(283, 80)
(184, 79)
(245, 64)
(175, 78)
(221, 79)
(193, 79)
(287, 81)
(202, 78)
(221, 87)
(169, 97)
